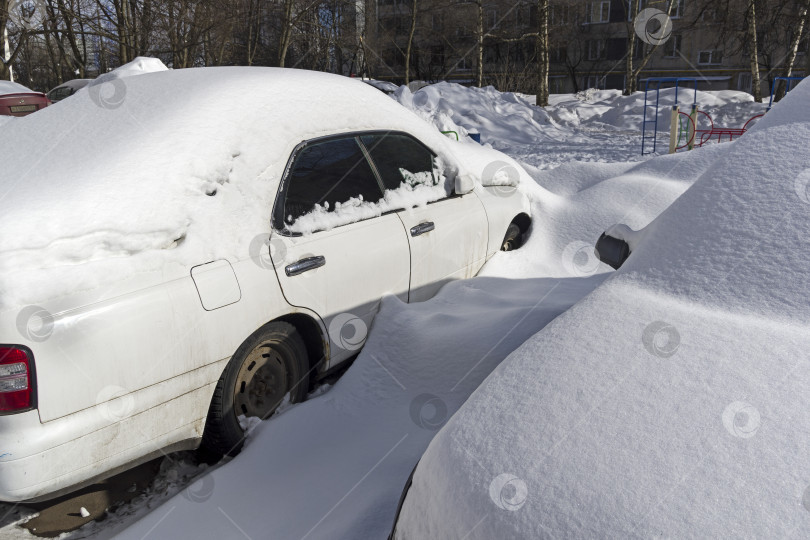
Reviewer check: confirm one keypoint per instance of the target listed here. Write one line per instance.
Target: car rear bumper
(42, 461)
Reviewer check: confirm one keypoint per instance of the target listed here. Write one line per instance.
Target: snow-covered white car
(672, 401)
(179, 259)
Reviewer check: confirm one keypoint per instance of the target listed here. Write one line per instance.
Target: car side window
(327, 174)
(400, 158)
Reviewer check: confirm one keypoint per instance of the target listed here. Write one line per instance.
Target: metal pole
(673, 129)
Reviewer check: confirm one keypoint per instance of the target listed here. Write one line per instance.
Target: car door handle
(304, 265)
(422, 228)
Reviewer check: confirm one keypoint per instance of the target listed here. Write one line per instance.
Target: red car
(17, 100)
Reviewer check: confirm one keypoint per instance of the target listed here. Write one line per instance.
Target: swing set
(686, 130)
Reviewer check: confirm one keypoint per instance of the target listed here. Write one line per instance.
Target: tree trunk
(286, 32)
(751, 36)
(633, 74)
(630, 84)
(479, 74)
(542, 53)
(410, 43)
(794, 48)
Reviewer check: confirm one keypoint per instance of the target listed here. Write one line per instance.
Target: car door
(334, 257)
(447, 236)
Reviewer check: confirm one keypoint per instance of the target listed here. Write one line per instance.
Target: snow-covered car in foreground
(177, 263)
(672, 401)
(17, 100)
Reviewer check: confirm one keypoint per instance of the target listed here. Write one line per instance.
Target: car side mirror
(464, 183)
(612, 251)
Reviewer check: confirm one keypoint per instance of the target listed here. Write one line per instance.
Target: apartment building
(589, 42)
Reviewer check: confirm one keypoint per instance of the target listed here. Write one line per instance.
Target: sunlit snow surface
(334, 466)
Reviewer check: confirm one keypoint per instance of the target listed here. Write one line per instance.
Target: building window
(597, 12)
(672, 47)
(595, 48)
(463, 32)
(559, 15)
(437, 55)
(492, 18)
(744, 82)
(677, 9)
(464, 64)
(709, 58)
(594, 81)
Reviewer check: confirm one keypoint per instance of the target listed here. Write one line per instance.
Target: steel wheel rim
(261, 384)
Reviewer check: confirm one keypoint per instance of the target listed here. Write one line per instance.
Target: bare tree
(542, 53)
(632, 72)
(798, 33)
(753, 50)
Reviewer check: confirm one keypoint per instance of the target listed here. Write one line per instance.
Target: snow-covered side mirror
(612, 251)
(465, 183)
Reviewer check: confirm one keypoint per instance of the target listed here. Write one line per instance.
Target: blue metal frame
(654, 121)
(787, 80)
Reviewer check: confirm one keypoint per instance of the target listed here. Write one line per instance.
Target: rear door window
(400, 158)
(326, 176)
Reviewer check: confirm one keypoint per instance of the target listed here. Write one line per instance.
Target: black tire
(513, 238)
(269, 364)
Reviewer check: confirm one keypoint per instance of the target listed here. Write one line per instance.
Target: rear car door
(330, 255)
(447, 236)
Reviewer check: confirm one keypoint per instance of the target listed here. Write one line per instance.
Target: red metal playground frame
(687, 124)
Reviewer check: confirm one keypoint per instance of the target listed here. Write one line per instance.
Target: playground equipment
(684, 129)
(647, 139)
(788, 87)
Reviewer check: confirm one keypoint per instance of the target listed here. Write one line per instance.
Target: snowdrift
(671, 402)
(334, 466)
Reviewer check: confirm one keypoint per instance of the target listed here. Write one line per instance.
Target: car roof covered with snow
(9, 87)
(670, 402)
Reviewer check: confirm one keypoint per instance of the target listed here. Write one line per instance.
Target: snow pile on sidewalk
(672, 401)
(594, 125)
(610, 109)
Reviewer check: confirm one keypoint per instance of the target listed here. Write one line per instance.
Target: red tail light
(16, 379)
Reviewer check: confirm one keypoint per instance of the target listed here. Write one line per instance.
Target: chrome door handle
(304, 265)
(422, 228)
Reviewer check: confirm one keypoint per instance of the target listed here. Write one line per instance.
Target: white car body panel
(455, 248)
(364, 261)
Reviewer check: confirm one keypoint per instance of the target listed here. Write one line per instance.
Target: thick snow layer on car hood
(8, 87)
(672, 401)
(165, 170)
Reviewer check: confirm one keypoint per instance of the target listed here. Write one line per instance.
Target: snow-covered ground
(591, 126)
(334, 466)
(671, 402)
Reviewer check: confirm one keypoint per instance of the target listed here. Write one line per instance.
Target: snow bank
(672, 401)
(609, 108)
(8, 87)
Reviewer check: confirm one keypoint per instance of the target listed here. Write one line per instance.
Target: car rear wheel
(512, 239)
(270, 364)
